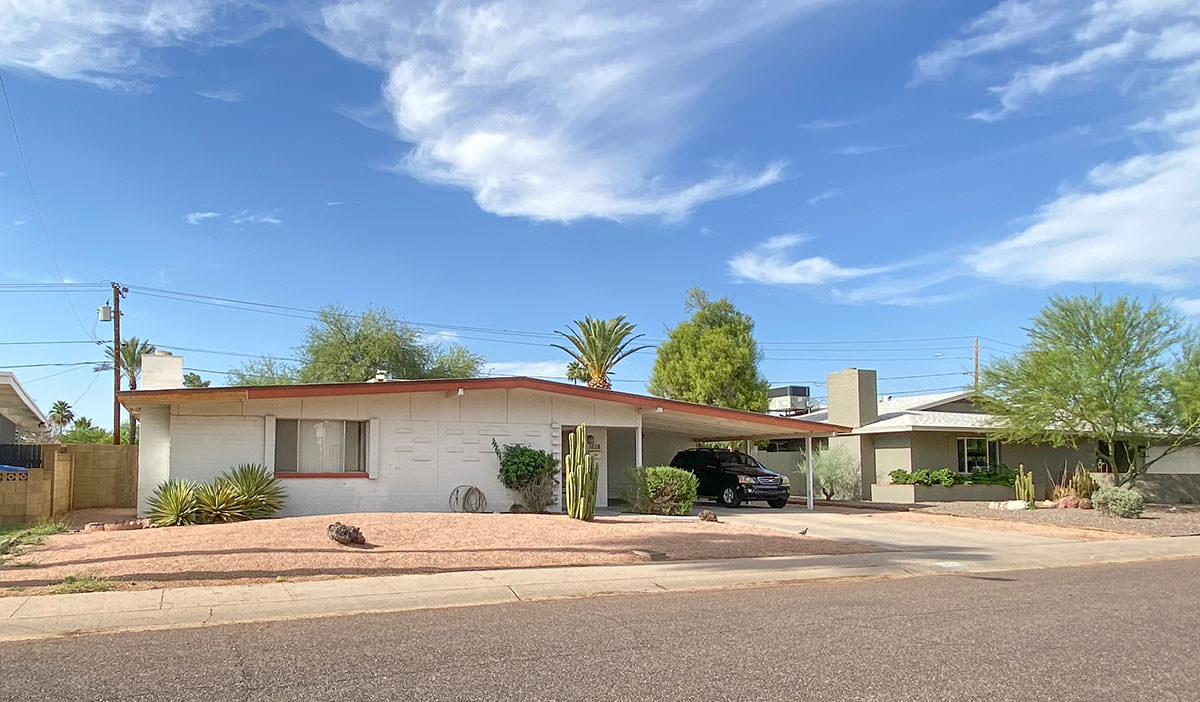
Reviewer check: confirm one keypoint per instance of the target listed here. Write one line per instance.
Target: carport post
(808, 488)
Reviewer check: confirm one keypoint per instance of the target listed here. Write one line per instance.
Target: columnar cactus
(583, 477)
(1024, 486)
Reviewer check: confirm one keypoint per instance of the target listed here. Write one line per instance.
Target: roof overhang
(17, 406)
(672, 416)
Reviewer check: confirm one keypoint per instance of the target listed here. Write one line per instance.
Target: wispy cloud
(820, 125)
(220, 95)
(557, 111)
(117, 43)
(862, 149)
(825, 195)
(1189, 307)
(771, 262)
(198, 217)
(19, 222)
(248, 217)
(535, 369)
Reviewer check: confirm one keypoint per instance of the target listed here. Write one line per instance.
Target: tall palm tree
(132, 350)
(60, 416)
(598, 345)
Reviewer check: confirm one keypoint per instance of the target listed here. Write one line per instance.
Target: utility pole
(976, 364)
(118, 293)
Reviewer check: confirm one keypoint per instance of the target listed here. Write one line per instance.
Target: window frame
(991, 453)
(364, 447)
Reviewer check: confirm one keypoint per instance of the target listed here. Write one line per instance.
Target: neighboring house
(949, 431)
(406, 445)
(18, 413)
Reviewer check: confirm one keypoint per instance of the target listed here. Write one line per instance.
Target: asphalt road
(1102, 632)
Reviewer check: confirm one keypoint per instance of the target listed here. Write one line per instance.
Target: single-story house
(18, 412)
(406, 445)
(948, 430)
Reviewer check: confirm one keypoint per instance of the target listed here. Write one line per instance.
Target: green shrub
(174, 504)
(670, 490)
(219, 502)
(997, 475)
(944, 477)
(836, 473)
(529, 472)
(261, 493)
(636, 494)
(1118, 502)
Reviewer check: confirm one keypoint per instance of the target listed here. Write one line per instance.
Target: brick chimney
(853, 399)
(161, 371)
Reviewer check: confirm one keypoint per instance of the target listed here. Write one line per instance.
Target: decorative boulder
(345, 534)
(1085, 503)
(1068, 502)
(707, 515)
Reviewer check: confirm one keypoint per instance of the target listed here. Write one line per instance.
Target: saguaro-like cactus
(1024, 486)
(583, 477)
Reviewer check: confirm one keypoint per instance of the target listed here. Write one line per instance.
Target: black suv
(732, 477)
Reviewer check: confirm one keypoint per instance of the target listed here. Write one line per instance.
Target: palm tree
(132, 350)
(60, 416)
(600, 344)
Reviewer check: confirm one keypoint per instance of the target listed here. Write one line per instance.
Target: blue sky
(855, 174)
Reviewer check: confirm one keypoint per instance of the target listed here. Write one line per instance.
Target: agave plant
(599, 344)
(259, 489)
(174, 503)
(220, 502)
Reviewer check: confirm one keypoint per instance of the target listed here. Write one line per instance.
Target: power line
(45, 343)
(55, 365)
(37, 208)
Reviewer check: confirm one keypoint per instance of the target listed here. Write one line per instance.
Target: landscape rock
(1085, 503)
(1008, 505)
(345, 534)
(707, 515)
(93, 526)
(1068, 502)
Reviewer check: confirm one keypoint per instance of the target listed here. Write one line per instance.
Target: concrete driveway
(877, 529)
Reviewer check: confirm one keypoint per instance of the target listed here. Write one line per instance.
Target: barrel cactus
(583, 477)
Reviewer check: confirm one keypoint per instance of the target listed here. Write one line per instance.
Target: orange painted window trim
(348, 474)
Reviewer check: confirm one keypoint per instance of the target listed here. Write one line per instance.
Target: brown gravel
(297, 548)
(1157, 520)
(928, 516)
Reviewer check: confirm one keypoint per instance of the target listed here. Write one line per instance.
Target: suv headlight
(786, 482)
(746, 479)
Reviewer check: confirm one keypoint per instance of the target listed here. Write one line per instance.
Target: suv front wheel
(730, 497)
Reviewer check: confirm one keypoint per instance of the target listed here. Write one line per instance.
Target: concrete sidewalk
(45, 616)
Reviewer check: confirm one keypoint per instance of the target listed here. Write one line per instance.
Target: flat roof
(696, 420)
(16, 405)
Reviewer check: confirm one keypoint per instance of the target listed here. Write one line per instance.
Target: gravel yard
(297, 548)
(1157, 520)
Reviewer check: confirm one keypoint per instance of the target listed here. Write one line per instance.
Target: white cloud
(770, 263)
(824, 124)
(220, 95)
(1189, 307)
(535, 369)
(19, 222)
(198, 217)
(861, 149)
(1008, 24)
(1133, 221)
(115, 43)
(557, 111)
(248, 217)
(825, 195)
(334, 203)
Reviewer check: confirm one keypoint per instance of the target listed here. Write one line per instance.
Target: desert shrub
(73, 584)
(260, 491)
(174, 503)
(635, 494)
(1118, 502)
(219, 502)
(836, 474)
(670, 490)
(996, 475)
(529, 472)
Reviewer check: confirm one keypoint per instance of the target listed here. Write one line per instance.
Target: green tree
(83, 431)
(597, 345)
(711, 358)
(577, 373)
(193, 380)
(60, 416)
(263, 371)
(1117, 373)
(342, 347)
(132, 350)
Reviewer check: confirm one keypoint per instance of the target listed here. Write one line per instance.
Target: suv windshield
(737, 459)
